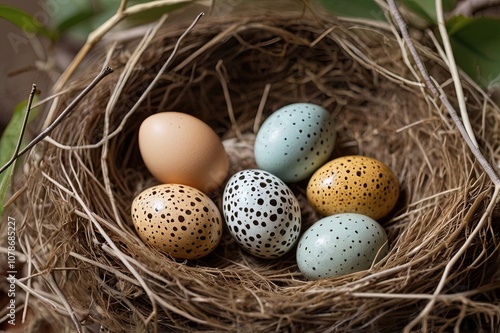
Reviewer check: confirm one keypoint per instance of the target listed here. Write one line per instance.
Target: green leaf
(73, 20)
(426, 9)
(476, 47)
(153, 14)
(5, 179)
(83, 16)
(354, 8)
(25, 21)
(8, 143)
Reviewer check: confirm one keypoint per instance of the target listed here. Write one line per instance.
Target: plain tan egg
(181, 149)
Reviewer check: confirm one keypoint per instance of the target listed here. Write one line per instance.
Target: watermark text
(11, 269)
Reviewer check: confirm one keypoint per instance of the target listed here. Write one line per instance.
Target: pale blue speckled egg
(341, 244)
(294, 141)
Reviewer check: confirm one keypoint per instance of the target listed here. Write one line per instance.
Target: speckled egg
(353, 184)
(294, 141)
(341, 244)
(261, 213)
(177, 219)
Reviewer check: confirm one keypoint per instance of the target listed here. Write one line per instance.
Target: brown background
(18, 53)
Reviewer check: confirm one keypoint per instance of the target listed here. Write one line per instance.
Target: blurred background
(18, 58)
(63, 25)
(27, 58)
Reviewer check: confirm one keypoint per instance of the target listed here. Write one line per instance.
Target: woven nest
(232, 73)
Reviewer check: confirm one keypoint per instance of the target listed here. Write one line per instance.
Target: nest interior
(232, 73)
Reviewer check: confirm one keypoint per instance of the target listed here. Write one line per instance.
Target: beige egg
(353, 184)
(177, 219)
(178, 148)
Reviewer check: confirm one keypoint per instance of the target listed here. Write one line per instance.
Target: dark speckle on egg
(294, 141)
(341, 244)
(353, 184)
(191, 221)
(259, 206)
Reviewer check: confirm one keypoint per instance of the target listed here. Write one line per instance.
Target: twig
(411, 47)
(105, 71)
(96, 36)
(100, 32)
(143, 96)
(477, 153)
(123, 6)
(469, 7)
(434, 90)
(454, 71)
(23, 129)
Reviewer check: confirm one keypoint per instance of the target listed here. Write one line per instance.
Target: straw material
(232, 73)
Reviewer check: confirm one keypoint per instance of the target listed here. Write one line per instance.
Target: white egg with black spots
(341, 244)
(262, 213)
(294, 141)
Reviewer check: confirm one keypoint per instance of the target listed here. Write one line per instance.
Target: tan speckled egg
(177, 219)
(353, 184)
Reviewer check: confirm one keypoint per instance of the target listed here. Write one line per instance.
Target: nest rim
(276, 295)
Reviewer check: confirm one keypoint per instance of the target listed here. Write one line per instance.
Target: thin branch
(469, 7)
(105, 71)
(25, 121)
(411, 47)
(23, 129)
(437, 93)
(97, 35)
(454, 71)
(123, 6)
(100, 32)
(143, 96)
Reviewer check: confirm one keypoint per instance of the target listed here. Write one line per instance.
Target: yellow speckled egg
(177, 219)
(178, 148)
(353, 184)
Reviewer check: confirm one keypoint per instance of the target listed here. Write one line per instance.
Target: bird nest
(88, 265)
